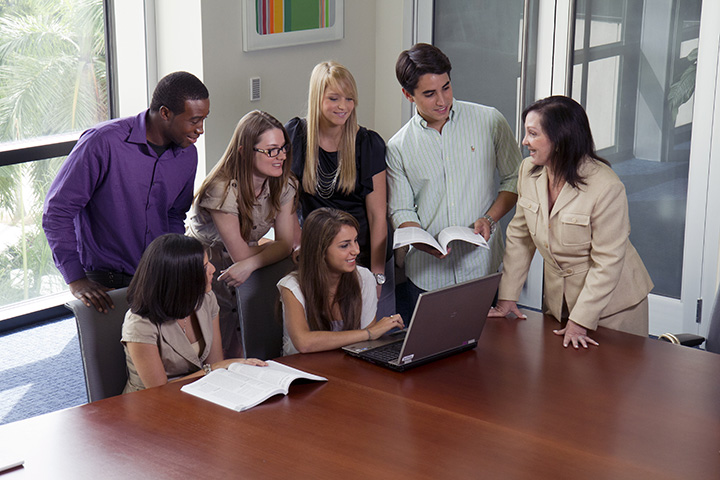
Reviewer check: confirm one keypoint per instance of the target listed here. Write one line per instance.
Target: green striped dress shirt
(439, 180)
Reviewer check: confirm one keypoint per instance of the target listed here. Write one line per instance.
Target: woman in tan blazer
(172, 329)
(573, 209)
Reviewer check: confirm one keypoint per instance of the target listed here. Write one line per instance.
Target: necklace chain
(327, 181)
(183, 326)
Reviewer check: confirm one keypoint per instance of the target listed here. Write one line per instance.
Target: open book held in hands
(409, 235)
(240, 386)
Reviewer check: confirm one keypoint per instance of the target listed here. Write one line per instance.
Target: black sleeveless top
(369, 161)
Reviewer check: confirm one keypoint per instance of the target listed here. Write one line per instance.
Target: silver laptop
(445, 322)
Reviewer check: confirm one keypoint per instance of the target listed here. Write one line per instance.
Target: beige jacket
(585, 245)
(177, 355)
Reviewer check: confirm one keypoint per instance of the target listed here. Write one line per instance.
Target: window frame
(50, 307)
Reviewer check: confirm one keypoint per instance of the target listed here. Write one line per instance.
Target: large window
(53, 85)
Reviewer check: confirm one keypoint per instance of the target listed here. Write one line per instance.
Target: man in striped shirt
(441, 169)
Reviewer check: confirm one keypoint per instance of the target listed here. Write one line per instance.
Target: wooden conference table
(518, 406)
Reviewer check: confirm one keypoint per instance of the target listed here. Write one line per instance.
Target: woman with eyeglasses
(171, 330)
(250, 191)
(341, 165)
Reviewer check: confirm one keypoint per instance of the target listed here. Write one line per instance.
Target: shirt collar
(138, 129)
(451, 118)
(138, 133)
(265, 192)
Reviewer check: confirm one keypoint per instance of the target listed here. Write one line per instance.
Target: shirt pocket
(575, 229)
(530, 211)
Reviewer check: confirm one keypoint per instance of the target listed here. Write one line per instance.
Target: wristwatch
(207, 368)
(493, 223)
(379, 278)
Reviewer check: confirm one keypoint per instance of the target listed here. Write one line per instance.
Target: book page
(230, 390)
(275, 374)
(409, 235)
(461, 233)
(241, 386)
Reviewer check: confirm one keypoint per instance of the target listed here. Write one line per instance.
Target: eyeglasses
(274, 152)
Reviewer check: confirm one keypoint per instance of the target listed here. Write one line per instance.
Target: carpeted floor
(40, 370)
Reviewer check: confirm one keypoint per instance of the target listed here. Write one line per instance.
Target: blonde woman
(342, 165)
(248, 192)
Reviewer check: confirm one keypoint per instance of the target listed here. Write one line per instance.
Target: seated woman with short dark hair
(172, 329)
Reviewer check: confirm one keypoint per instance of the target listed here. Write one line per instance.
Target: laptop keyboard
(385, 353)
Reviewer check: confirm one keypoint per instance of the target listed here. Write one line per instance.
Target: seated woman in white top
(172, 329)
(330, 302)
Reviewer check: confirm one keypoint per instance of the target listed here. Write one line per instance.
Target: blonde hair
(238, 163)
(330, 74)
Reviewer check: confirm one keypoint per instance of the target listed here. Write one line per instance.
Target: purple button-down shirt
(113, 196)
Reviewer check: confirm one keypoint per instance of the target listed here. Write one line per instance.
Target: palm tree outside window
(53, 85)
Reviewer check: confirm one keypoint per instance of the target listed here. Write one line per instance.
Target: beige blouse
(176, 352)
(202, 227)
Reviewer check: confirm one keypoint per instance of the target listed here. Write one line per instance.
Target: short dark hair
(169, 282)
(566, 125)
(174, 89)
(418, 60)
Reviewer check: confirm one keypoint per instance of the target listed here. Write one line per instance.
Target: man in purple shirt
(126, 182)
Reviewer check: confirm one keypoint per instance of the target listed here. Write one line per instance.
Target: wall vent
(255, 89)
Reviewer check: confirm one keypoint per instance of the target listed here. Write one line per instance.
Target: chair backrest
(257, 298)
(102, 353)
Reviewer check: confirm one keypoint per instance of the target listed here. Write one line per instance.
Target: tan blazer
(178, 357)
(585, 244)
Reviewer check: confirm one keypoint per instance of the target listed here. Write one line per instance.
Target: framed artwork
(282, 23)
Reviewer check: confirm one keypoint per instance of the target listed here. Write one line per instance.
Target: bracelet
(369, 334)
(493, 225)
(207, 368)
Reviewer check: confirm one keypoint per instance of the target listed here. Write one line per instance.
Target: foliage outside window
(53, 80)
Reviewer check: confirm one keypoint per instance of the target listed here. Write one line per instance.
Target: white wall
(178, 41)
(285, 71)
(393, 21)
(131, 74)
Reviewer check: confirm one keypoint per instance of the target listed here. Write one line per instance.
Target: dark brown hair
(318, 232)
(418, 60)
(566, 125)
(169, 282)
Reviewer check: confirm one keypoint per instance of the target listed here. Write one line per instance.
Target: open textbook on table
(409, 235)
(240, 386)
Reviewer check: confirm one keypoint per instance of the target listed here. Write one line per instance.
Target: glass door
(475, 35)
